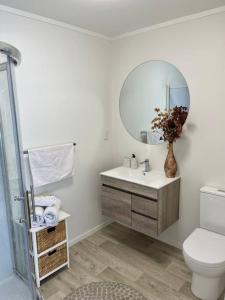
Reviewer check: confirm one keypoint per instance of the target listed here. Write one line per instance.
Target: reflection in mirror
(153, 84)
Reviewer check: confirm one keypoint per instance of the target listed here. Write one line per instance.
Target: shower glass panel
(13, 177)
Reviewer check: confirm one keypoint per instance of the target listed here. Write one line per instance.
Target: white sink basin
(153, 179)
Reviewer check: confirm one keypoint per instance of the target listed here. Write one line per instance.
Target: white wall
(197, 48)
(63, 94)
(62, 87)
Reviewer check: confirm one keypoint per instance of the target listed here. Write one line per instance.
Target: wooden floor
(117, 253)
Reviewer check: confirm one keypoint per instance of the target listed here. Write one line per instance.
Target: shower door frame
(9, 68)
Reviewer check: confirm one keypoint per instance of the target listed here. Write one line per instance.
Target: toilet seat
(205, 248)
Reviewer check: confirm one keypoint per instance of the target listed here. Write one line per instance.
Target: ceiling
(113, 17)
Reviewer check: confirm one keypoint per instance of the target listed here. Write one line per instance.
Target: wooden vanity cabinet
(145, 209)
(116, 204)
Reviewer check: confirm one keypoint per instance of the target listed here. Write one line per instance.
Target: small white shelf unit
(63, 216)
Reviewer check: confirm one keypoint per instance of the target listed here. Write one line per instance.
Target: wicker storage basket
(52, 260)
(51, 236)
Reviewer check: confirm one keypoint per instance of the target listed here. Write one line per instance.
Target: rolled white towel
(40, 220)
(45, 201)
(51, 214)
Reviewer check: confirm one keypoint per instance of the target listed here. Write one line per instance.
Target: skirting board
(88, 233)
(83, 236)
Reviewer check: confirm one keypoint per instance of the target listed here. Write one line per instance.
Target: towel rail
(26, 151)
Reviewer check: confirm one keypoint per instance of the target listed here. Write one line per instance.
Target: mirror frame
(124, 82)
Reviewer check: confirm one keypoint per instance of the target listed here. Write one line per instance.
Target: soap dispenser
(134, 162)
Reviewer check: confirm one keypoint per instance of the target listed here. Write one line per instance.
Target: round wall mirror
(150, 86)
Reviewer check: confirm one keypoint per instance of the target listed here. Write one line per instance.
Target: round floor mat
(105, 291)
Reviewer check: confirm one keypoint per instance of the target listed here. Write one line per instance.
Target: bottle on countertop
(134, 162)
(127, 162)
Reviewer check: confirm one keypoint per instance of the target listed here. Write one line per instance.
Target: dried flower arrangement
(170, 123)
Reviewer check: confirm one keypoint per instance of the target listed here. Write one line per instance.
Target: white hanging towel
(51, 164)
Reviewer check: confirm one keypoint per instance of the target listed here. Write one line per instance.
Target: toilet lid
(205, 247)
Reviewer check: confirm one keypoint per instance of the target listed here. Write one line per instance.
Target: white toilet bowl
(204, 253)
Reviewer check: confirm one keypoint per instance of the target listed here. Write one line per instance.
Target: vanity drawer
(145, 206)
(144, 224)
(130, 187)
(116, 205)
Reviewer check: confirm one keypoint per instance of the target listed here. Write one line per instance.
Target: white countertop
(153, 179)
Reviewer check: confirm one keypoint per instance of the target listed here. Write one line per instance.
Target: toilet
(204, 249)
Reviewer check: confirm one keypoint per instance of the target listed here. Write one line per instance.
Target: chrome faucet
(147, 165)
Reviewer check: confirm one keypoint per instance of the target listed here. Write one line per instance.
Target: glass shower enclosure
(16, 279)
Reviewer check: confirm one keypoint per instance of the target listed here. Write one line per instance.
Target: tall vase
(170, 165)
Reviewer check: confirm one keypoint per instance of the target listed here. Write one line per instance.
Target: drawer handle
(143, 215)
(52, 252)
(51, 229)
